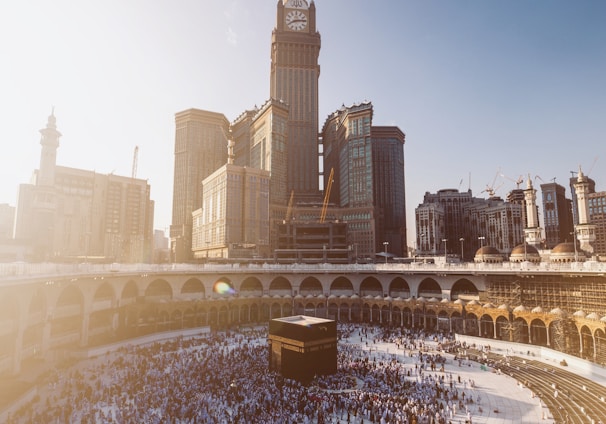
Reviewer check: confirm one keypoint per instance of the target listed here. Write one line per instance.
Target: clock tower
(295, 48)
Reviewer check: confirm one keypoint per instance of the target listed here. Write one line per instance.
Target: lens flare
(221, 287)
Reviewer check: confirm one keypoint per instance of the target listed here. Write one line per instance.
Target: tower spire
(48, 157)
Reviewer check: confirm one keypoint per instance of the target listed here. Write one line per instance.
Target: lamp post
(461, 240)
(445, 259)
(385, 243)
(482, 238)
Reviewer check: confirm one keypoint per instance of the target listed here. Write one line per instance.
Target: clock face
(296, 20)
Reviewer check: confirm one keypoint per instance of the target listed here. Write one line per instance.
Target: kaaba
(301, 347)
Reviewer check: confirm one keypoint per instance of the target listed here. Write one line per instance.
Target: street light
(482, 238)
(385, 243)
(445, 259)
(461, 240)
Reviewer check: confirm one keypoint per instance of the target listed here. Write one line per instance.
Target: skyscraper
(200, 149)
(368, 164)
(295, 48)
(557, 214)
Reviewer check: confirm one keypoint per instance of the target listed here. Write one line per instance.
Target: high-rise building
(557, 214)
(460, 224)
(387, 145)
(597, 216)
(368, 165)
(75, 214)
(233, 221)
(295, 48)
(200, 149)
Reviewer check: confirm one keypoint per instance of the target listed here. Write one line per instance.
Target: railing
(13, 272)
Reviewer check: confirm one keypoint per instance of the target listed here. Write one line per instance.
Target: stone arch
(431, 320)
(276, 310)
(465, 290)
(129, 294)
(251, 286)
(486, 326)
(311, 285)
(341, 286)
(281, 286)
(370, 286)
(67, 317)
(471, 324)
(356, 312)
(399, 288)
(223, 287)
(443, 321)
(194, 286)
(430, 288)
(457, 322)
(158, 290)
(538, 332)
(503, 329)
(520, 328)
(587, 345)
(101, 320)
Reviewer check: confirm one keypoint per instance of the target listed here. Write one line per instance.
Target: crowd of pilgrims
(223, 377)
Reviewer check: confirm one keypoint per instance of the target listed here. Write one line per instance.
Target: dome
(529, 249)
(557, 311)
(459, 302)
(566, 247)
(537, 310)
(444, 300)
(488, 254)
(504, 307)
(520, 308)
(433, 300)
(593, 316)
(524, 252)
(487, 250)
(579, 314)
(474, 302)
(488, 305)
(566, 252)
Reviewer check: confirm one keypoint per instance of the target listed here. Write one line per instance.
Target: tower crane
(490, 189)
(135, 160)
(517, 182)
(327, 196)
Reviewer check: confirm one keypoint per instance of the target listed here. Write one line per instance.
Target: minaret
(584, 230)
(532, 232)
(48, 157)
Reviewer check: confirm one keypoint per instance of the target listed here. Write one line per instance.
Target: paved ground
(497, 398)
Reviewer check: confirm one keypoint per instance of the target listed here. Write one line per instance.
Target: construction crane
(327, 196)
(135, 159)
(289, 207)
(490, 189)
(517, 182)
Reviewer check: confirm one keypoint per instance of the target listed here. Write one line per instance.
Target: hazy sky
(478, 86)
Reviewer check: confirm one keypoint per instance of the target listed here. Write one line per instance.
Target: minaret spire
(48, 157)
(532, 232)
(585, 231)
